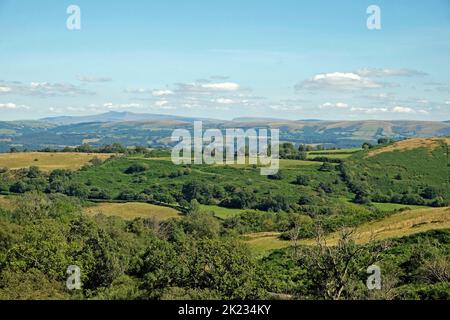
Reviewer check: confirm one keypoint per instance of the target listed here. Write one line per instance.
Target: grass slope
(111, 177)
(48, 161)
(406, 167)
(396, 226)
(132, 210)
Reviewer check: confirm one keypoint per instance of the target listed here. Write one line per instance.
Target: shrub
(136, 168)
(276, 176)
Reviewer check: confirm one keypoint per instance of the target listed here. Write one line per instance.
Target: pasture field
(48, 161)
(132, 210)
(389, 207)
(396, 226)
(337, 151)
(262, 243)
(399, 225)
(221, 212)
(333, 154)
(330, 156)
(410, 144)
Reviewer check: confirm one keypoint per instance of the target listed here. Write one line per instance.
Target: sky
(286, 59)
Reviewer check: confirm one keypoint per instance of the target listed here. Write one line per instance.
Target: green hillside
(414, 172)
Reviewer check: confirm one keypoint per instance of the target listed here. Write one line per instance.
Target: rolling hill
(414, 171)
(115, 116)
(155, 130)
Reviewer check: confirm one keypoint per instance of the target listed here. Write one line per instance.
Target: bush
(201, 225)
(97, 193)
(20, 187)
(276, 176)
(127, 195)
(77, 190)
(429, 193)
(136, 168)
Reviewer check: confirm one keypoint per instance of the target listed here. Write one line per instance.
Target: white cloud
(12, 106)
(223, 101)
(447, 103)
(91, 79)
(338, 81)
(114, 106)
(76, 109)
(381, 97)
(43, 89)
(369, 110)
(139, 90)
(338, 105)
(161, 103)
(159, 93)
(400, 109)
(8, 106)
(4, 89)
(378, 72)
(223, 86)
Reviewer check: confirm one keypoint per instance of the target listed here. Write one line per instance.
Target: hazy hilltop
(155, 130)
(114, 116)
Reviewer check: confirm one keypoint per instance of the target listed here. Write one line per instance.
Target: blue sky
(224, 59)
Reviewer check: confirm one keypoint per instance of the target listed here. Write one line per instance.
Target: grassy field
(6, 202)
(337, 151)
(398, 225)
(221, 212)
(48, 161)
(132, 210)
(333, 154)
(389, 207)
(411, 144)
(263, 242)
(330, 156)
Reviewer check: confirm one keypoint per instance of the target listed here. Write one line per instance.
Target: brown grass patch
(48, 161)
(132, 210)
(410, 144)
(398, 225)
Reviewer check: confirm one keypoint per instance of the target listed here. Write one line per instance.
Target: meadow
(132, 210)
(398, 225)
(47, 161)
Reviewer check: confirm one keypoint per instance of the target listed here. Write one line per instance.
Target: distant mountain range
(155, 130)
(114, 116)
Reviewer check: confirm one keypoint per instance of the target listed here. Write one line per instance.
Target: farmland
(132, 210)
(399, 225)
(48, 161)
(150, 226)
